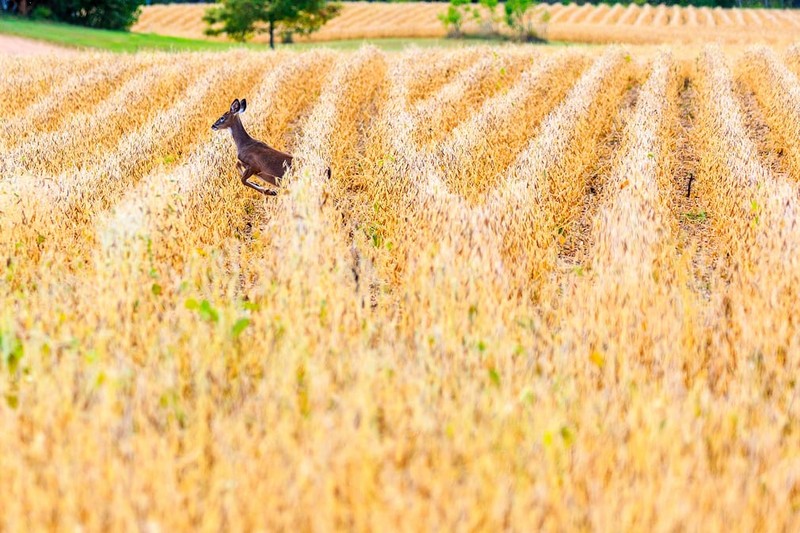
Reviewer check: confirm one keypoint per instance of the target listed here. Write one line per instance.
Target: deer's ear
(242, 105)
(235, 106)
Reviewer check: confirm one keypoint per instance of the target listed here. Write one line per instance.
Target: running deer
(255, 157)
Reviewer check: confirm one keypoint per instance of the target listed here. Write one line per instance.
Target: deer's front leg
(240, 167)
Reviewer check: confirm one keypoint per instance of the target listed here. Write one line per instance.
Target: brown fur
(255, 157)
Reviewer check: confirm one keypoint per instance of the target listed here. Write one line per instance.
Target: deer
(255, 158)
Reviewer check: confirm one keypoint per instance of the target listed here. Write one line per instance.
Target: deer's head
(226, 120)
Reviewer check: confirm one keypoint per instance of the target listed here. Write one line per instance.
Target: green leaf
(696, 217)
(207, 312)
(156, 289)
(567, 436)
(250, 306)
(239, 327)
(12, 352)
(191, 304)
(12, 399)
(494, 377)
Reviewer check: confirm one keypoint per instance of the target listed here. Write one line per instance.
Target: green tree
(241, 19)
(109, 14)
(519, 21)
(488, 17)
(453, 18)
(309, 21)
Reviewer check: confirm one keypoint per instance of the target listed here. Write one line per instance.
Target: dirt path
(19, 46)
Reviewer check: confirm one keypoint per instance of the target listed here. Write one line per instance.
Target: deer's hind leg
(269, 178)
(246, 174)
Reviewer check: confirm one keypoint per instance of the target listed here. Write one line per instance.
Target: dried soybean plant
(487, 318)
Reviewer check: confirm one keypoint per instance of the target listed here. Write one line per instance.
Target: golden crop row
(502, 310)
(586, 23)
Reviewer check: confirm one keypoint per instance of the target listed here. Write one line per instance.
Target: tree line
(241, 19)
(110, 14)
(780, 4)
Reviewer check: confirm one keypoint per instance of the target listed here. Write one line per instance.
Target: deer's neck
(240, 136)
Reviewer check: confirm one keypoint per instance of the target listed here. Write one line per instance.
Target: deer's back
(266, 159)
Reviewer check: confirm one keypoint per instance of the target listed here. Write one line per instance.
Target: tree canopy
(108, 14)
(241, 19)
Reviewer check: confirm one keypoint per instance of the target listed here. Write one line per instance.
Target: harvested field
(544, 289)
(587, 23)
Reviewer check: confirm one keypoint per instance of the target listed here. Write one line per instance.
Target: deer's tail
(328, 172)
